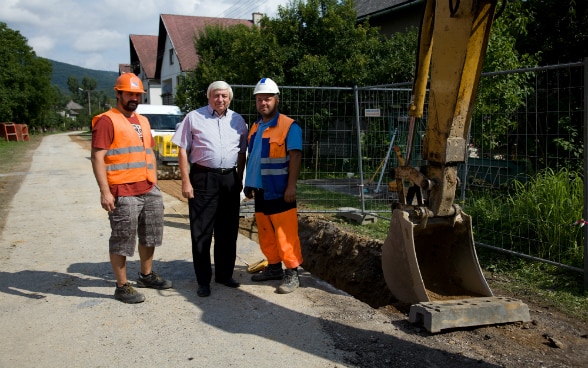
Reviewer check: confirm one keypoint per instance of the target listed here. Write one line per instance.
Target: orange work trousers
(278, 237)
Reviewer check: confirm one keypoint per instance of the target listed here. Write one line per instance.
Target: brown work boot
(271, 272)
(154, 281)
(127, 294)
(291, 281)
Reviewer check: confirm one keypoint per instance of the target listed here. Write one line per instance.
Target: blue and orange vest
(128, 160)
(274, 156)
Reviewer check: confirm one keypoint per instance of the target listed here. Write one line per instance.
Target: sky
(94, 34)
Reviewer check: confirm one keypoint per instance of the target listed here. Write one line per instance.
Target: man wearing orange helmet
(125, 169)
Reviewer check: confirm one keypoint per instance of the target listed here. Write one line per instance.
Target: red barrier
(14, 132)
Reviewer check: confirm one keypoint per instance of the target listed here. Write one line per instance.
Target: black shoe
(232, 283)
(271, 272)
(203, 291)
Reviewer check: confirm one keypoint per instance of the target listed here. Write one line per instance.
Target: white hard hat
(266, 85)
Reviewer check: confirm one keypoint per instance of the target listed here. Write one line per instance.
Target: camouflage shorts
(140, 215)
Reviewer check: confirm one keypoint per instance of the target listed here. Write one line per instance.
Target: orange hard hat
(129, 82)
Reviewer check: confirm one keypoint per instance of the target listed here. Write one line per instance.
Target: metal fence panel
(520, 146)
(530, 177)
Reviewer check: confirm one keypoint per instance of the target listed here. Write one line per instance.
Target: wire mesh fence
(523, 182)
(523, 178)
(348, 139)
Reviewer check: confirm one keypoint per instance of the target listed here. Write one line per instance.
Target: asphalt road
(57, 307)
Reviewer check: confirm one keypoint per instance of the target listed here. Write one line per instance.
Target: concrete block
(355, 215)
(440, 315)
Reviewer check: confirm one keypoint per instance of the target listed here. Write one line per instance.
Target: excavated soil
(352, 264)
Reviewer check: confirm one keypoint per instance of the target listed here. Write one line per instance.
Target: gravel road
(57, 306)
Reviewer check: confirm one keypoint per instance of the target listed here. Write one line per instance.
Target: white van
(163, 120)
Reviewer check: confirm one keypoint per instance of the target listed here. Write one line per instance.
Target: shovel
(254, 267)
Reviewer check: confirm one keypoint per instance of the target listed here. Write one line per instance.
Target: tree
(313, 43)
(524, 37)
(26, 95)
(557, 29)
(89, 84)
(86, 93)
(73, 85)
(500, 97)
(319, 43)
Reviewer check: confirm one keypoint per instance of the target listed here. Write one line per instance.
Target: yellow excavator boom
(429, 253)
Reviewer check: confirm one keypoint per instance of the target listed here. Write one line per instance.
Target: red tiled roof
(145, 47)
(181, 30)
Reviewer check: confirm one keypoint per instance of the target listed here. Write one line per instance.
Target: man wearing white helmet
(273, 166)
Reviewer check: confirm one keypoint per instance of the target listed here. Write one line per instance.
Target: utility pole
(89, 103)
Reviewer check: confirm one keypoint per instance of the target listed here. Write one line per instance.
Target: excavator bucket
(432, 261)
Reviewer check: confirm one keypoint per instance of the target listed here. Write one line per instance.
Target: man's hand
(99, 168)
(290, 194)
(248, 191)
(107, 201)
(187, 190)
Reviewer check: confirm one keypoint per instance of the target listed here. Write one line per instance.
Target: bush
(548, 205)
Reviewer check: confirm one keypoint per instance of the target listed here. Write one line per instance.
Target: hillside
(61, 71)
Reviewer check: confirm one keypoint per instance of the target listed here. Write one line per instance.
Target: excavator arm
(452, 46)
(429, 253)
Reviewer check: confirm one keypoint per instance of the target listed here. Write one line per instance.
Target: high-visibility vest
(275, 160)
(129, 160)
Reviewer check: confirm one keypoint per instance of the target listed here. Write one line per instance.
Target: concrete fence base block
(440, 315)
(355, 215)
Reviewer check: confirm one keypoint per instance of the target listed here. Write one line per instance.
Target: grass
(16, 155)
(538, 282)
(15, 158)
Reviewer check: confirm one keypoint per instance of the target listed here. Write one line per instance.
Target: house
(143, 61)
(391, 16)
(72, 110)
(124, 68)
(161, 61)
(175, 50)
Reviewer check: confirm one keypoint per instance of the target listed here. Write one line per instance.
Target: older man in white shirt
(213, 142)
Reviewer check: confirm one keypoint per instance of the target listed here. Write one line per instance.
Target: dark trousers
(214, 210)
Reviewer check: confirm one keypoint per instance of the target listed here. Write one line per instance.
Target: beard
(131, 106)
(269, 113)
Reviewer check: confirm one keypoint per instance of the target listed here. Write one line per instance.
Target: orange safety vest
(275, 159)
(128, 160)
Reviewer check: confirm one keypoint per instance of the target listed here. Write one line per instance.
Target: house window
(171, 56)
